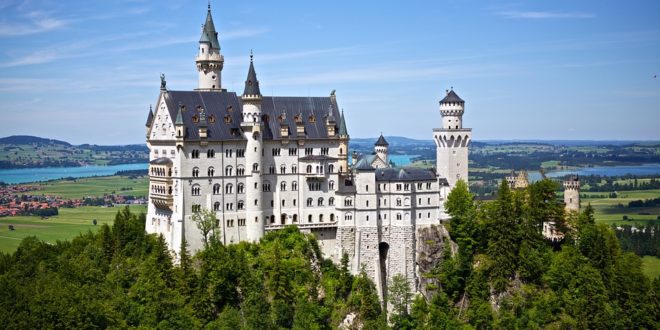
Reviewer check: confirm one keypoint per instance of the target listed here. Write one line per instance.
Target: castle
(264, 162)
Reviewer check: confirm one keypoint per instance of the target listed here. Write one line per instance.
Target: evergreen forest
(497, 272)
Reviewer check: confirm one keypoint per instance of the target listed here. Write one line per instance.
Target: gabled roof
(209, 35)
(251, 83)
(223, 114)
(404, 174)
(381, 141)
(452, 97)
(364, 164)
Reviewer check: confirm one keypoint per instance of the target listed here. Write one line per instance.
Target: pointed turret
(209, 60)
(381, 141)
(150, 117)
(381, 147)
(251, 83)
(342, 125)
(179, 118)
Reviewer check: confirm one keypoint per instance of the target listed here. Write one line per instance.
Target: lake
(24, 175)
(645, 169)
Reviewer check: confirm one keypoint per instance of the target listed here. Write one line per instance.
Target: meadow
(65, 226)
(606, 210)
(94, 187)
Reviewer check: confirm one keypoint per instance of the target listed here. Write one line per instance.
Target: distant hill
(392, 140)
(29, 139)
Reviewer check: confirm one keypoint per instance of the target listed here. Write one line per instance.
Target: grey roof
(317, 157)
(381, 141)
(452, 97)
(404, 174)
(342, 125)
(161, 161)
(209, 35)
(251, 83)
(150, 117)
(221, 105)
(179, 118)
(364, 164)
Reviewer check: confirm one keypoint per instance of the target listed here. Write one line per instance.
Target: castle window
(294, 185)
(216, 189)
(294, 169)
(320, 217)
(229, 188)
(331, 201)
(331, 185)
(428, 200)
(419, 186)
(428, 185)
(398, 202)
(398, 187)
(240, 153)
(229, 153)
(271, 169)
(256, 202)
(283, 203)
(428, 215)
(229, 171)
(211, 119)
(216, 206)
(240, 171)
(240, 188)
(194, 154)
(309, 151)
(332, 217)
(293, 151)
(309, 169)
(227, 119)
(266, 186)
(255, 167)
(283, 186)
(276, 151)
(210, 171)
(398, 216)
(240, 205)
(320, 201)
(310, 201)
(366, 187)
(195, 119)
(348, 202)
(294, 202)
(229, 206)
(348, 216)
(406, 187)
(241, 222)
(195, 172)
(282, 169)
(196, 208)
(309, 218)
(195, 190)
(210, 153)
(295, 218)
(325, 151)
(331, 168)
(312, 119)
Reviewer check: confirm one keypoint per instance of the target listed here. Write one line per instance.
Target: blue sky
(86, 71)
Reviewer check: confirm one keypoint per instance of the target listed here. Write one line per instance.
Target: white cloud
(545, 15)
(37, 23)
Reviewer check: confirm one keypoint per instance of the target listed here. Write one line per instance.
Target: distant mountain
(28, 139)
(392, 140)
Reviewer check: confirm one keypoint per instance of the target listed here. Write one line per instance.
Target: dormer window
(195, 119)
(230, 108)
(227, 119)
(211, 119)
(312, 119)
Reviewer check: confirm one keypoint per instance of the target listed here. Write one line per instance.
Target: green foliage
(207, 223)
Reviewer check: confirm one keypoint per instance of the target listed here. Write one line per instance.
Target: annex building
(264, 162)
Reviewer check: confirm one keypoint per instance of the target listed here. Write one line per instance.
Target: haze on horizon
(86, 72)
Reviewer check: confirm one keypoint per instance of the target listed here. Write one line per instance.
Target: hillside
(23, 151)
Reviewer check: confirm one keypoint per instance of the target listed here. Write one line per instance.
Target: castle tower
(252, 128)
(452, 140)
(209, 60)
(572, 193)
(381, 149)
(343, 145)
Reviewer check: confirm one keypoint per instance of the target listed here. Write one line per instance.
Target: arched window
(398, 202)
(229, 188)
(309, 218)
(320, 217)
(216, 189)
(332, 217)
(196, 190)
(255, 167)
(195, 172)
(241, 205)
(282, 169)
(294, 185)
(331, 185)
(295, 218)
(294, 169)
(348, 216)
(331, 168)
(216, 206)
(229, 171)
(348, 202)
(331, 201)
(283, 186)
(320, 201)
(240, 188)
(240, 170)
(309, 168)
(210, 171)
(310, 201)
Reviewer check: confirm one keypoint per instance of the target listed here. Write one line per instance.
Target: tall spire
(209, 35)
(342, 125)
(179, 118)
(251, 83)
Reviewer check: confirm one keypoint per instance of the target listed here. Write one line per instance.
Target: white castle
(265, 162)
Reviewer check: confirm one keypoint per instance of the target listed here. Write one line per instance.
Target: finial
(251, 55)
(209, 6)
(452, 87)
(150, 109)
(163, 83)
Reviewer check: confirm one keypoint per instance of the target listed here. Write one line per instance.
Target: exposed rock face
(430, 248)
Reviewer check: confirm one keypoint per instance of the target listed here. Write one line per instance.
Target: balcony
(162, 201)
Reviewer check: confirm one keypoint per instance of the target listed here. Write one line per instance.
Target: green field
(651, 266)
(68, 224)
(99, 186)
(607, 212)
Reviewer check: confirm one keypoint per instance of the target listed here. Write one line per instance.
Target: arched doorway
(383, 250)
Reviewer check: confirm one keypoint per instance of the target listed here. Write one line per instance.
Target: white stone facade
(273, 173)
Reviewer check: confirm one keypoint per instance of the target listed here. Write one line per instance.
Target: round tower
(252, 128)
(209, 61)
(572, 193)
(381, 149)
(452, 140)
